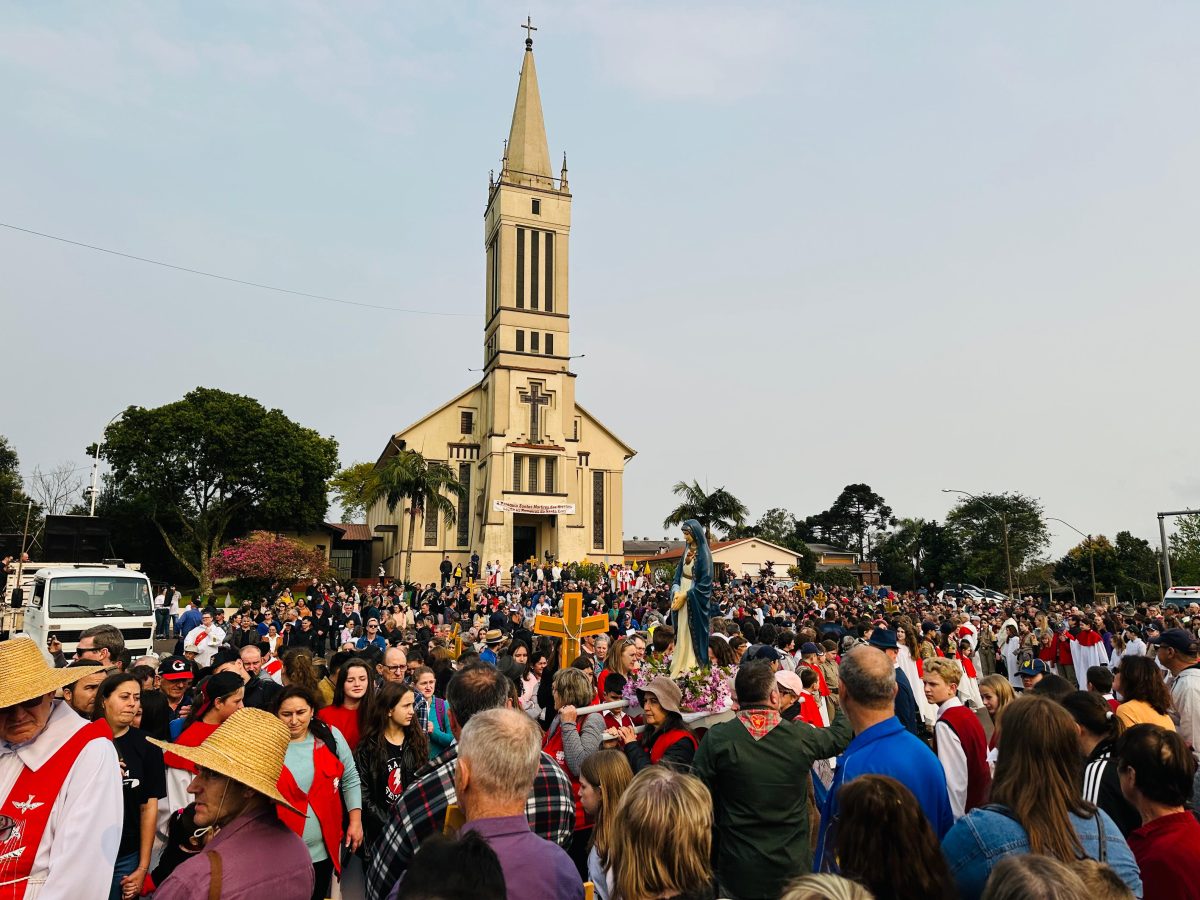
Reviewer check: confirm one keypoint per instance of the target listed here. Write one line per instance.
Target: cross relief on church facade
(535, 399)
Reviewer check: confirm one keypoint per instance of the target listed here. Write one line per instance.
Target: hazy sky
(917, 245)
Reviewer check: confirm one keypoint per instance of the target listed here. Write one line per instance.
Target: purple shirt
(260, 857)
(534, 868)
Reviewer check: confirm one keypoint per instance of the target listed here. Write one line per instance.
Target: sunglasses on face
(24, 704)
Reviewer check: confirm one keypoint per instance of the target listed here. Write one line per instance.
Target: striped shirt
(1102, 787)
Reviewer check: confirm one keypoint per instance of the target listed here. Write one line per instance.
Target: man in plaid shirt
(421, 810)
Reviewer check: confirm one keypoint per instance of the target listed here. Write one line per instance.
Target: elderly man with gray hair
(881, 746)
(498, 756)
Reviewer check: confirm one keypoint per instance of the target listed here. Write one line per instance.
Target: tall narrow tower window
(518, 462)
(431, 522)
(464, 504)
(534, 340)
(549, 292)
(549, 344)
(520, 268)
(550, 461)
(494, 272)
(537, 207)
(535, 243)
(520, 341)
(597, 510)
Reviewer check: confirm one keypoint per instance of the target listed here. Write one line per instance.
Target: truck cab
(64, 600)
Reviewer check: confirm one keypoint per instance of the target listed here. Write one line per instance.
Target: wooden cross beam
(572, 627)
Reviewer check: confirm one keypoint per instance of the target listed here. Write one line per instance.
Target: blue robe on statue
(699, 593)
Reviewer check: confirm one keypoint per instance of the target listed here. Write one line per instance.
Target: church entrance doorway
(524, 542)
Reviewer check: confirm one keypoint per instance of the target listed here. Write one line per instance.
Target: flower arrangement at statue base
(707, 690)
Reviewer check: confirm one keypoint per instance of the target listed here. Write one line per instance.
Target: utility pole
(96, 466)
(1166, 551)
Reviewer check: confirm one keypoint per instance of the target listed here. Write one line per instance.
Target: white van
(1181, 597)
(64, 600)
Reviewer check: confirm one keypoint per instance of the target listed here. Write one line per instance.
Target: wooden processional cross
(571, 627)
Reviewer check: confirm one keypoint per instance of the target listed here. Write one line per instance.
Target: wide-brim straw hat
(25, 673)
(495, 636)
(248, 747)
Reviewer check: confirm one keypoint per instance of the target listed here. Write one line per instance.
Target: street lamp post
(96, 465)
(1003, 524)
(1091, 549)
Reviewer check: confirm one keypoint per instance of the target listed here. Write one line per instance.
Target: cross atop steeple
(530, 28)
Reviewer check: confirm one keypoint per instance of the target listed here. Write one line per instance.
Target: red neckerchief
(1089, 638)
(759, 722)
(968, 666)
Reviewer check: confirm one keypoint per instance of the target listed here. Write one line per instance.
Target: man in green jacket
(758, 769)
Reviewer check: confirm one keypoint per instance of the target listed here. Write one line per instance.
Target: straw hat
(25, 674)
(248, 747)
(495, 636)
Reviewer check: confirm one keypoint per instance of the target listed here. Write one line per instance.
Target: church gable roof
(390, 448)
(592, 420)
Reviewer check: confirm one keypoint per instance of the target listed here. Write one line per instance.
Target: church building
(543, 476)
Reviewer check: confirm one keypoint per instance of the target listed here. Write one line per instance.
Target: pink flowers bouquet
(704, 690)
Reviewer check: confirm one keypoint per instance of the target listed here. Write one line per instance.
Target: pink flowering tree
(262, 559)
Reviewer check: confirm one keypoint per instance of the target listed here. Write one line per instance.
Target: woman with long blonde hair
(1037, 804)
(661, 802)
(603, 778)
(996, 693)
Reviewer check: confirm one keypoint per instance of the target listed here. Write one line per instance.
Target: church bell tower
(527, 227)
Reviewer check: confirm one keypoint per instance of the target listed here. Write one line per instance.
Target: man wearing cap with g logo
(60, 784)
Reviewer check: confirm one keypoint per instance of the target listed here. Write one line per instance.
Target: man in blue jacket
(881, 746)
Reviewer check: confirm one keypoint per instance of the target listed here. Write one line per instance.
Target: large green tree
(351, 488)
(1185, 550)
(214, 465)
(855, 517)
(719, 509)
(1138, 574)
(979, 532)
(14, 502)
(918, 552)
(1075, 568)
(410, 478)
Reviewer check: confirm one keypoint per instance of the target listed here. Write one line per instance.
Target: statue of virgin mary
(691, 592)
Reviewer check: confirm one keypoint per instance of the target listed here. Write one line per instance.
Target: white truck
(62, 600)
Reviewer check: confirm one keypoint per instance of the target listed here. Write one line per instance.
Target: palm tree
(408, 476)
(720, 508)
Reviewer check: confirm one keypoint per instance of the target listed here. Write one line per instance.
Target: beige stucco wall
(748, 557)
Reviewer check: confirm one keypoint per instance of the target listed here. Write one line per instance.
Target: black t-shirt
(143, 778)
(396, 775)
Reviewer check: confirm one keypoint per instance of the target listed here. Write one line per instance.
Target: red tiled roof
(352, 531)
(676, 554)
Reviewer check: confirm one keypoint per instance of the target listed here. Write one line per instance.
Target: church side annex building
(544, 476)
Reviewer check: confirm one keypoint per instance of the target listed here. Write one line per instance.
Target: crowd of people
(433, 745)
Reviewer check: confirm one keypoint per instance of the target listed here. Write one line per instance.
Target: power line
(253, 284)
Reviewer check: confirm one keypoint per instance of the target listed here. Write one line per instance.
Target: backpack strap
(214, 875)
